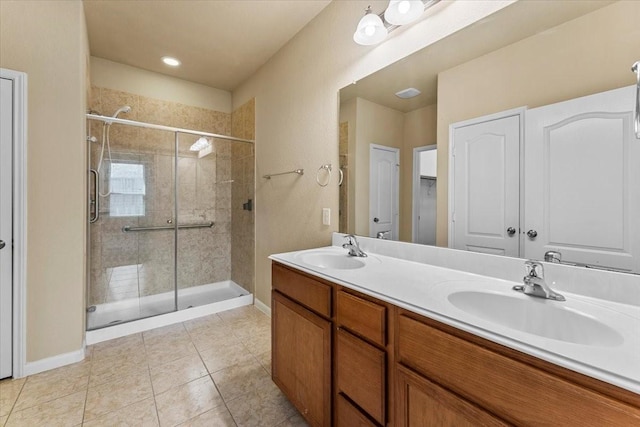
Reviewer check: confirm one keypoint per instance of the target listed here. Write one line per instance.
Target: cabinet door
(301, 359)
(423, 403)
(485, 191)
(348, 416)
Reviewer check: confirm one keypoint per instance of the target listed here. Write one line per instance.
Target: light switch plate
(326, 216)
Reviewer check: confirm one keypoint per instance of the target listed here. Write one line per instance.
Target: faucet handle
(534, 268)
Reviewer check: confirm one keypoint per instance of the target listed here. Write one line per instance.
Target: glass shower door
(132, 224)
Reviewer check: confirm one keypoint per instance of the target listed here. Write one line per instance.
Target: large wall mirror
(526, 56)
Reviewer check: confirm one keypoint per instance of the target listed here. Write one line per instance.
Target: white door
(582, 181)
(384, 191)
(6, 210)
(484, 192)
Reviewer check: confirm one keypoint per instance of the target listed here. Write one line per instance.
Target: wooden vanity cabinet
(346, 359)
(301, 342)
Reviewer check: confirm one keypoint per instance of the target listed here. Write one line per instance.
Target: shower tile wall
(128, 265)
(343, 213)
(243, 190)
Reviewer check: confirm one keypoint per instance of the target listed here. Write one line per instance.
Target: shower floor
(126, 310)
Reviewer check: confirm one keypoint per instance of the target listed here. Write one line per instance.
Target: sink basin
(537, 316)
(338, 261)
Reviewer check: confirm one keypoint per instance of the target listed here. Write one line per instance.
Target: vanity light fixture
(402, 12)
(373, 29)
(172, 62)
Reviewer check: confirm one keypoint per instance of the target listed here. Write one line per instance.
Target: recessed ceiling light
(408, 93)
(173, 62)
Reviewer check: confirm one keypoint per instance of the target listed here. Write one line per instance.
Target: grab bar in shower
(95, 202)
(128, 228)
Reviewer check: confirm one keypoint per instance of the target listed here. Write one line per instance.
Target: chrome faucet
(353, 246)
(535, 285)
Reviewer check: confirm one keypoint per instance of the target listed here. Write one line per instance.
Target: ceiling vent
(408, 93)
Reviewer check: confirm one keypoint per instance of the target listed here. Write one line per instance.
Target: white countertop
(423, 289)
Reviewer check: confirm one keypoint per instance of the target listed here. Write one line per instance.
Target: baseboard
(262, 307)
(31, 368)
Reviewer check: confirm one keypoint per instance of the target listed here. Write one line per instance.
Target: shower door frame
(176, 131)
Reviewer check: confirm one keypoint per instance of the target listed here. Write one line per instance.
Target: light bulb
(404, 6)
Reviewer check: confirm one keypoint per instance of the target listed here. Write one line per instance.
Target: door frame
(415, 184)
(19, 218)
(520, 111)
(396, 199)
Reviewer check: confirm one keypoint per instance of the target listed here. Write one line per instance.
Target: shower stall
(161, 219)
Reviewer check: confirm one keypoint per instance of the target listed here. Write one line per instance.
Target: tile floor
(212, 371)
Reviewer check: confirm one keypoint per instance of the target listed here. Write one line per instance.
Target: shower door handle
(95, 202)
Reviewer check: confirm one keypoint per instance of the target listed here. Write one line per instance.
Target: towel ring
(326, 167)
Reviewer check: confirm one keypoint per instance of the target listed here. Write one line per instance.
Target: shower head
(123, 109)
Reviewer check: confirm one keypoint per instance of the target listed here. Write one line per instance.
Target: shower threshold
(118, 319)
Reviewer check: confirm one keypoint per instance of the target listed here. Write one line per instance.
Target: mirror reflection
(569, 188)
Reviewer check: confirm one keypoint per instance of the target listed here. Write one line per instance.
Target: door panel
(384, 192)
(582, 204)
(6, 220)
(486, 186)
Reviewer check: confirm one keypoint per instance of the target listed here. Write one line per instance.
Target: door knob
(2, 244)
(376, 219)
(532, 234)
(511, 231)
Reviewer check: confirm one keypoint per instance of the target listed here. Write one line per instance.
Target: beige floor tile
(177, 372)
(118, 347)
(265, 360)
(242, 313)
(9, 391)
(294, 421)
(217, 417)
(258, 409)
(214, 336)
(202, 322)
(161, 354)
(111, 368)
(140, 414)
(165, 335)
(53, 384)
(184, 402)
(259, 344)
(65, 411)
(221, 357)
(240, 379)
(3, 420)
(117, 394)
(251, 329)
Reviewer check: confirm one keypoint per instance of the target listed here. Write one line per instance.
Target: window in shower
(128, 190)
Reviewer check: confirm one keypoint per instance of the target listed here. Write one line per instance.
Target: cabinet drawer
(349, 416)
(509, 388)
(362, 317)
(304, 289)
(361, 374)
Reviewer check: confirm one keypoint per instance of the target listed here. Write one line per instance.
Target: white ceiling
(221, 43)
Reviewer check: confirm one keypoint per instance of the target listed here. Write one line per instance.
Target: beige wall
(375, 124)
(34, 40)
(588, 55)
(419, 130)
(113, 75)
(296, 95)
